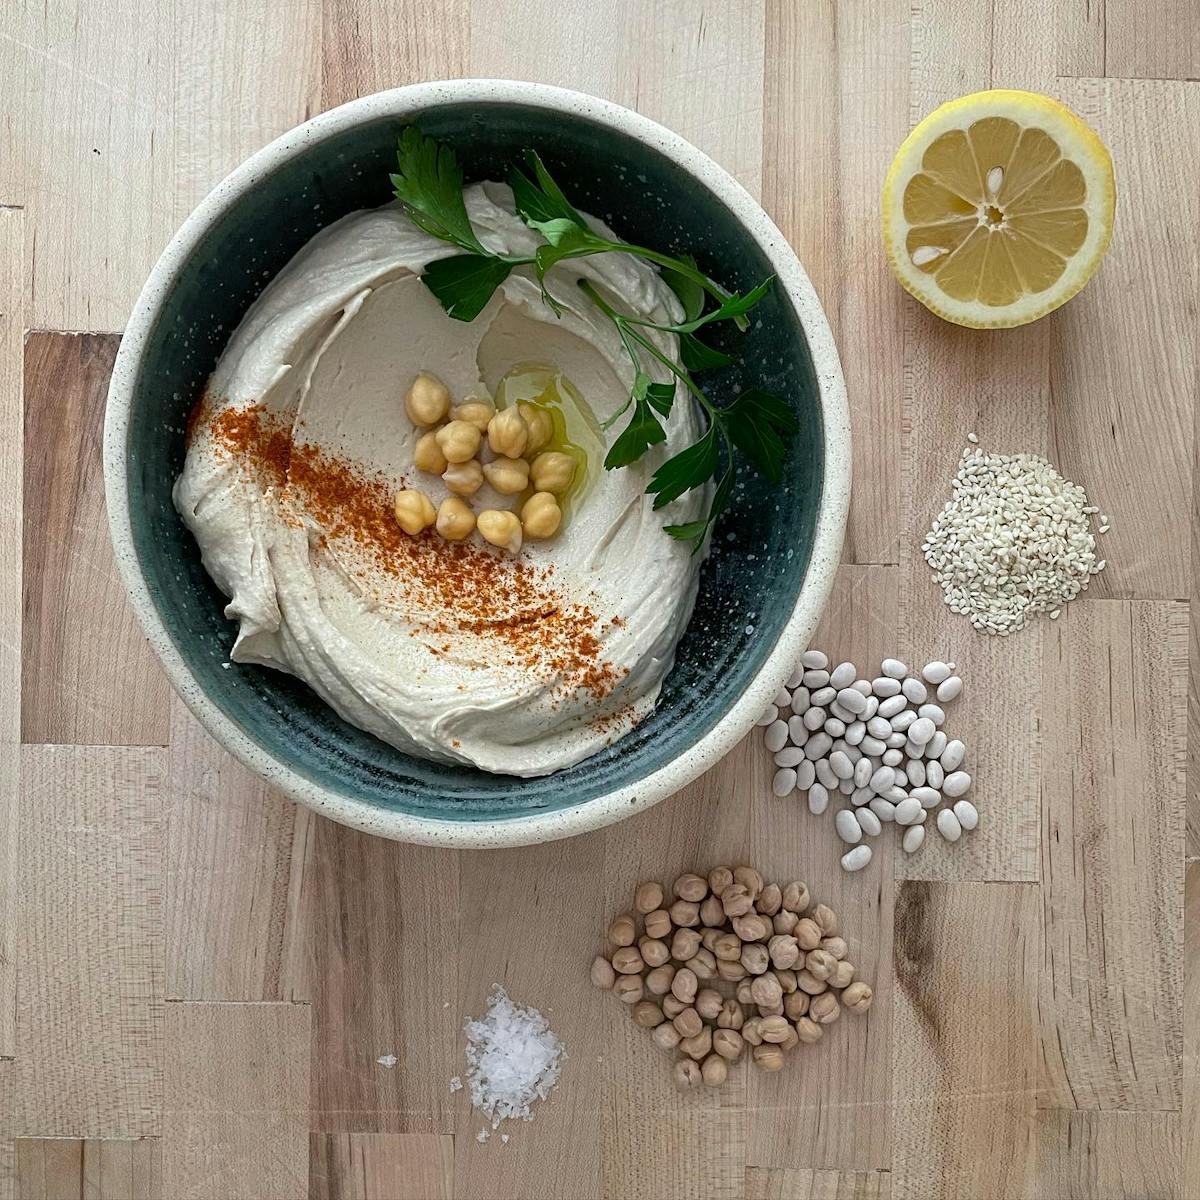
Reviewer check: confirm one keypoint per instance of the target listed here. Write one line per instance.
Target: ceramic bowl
(774, 554)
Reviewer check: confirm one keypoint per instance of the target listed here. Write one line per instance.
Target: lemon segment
(997, 208)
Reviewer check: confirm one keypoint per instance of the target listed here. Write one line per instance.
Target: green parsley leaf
(536, 205)
(699, 356)
(554, 197)
(757, 423)
(660, 396)
(690, 468)
(642, 432)
(464, 283)
(734, 307)
(690, 293)
(695, 531)
(429, 183)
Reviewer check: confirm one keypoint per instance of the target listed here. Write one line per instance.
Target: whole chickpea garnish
(474, 412)
(541, 427)
(427, 400)
(552, 472)
(540, 516)
(501, 528)
(414, 511)
(507, 433)
(427, 454)
(459, 441)
(455, 520)
(464, 478)
(507, 475)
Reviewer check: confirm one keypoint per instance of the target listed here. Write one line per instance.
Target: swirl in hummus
(453, 652)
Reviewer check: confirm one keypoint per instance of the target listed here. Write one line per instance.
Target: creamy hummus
(456, 653)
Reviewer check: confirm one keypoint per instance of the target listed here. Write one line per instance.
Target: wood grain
(1191, 1031)
(1113, 857)
(89, 1169)
(786, 1183)
(88, 677)
(12, 465)
(90, 944)
(1114, 1155)
(381, 1166)
(228, 894)
(235, 1101)
(1125, 39)
(831, 1107)
(966, 1126)
(836, 110)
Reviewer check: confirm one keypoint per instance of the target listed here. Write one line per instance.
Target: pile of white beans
(876, 744)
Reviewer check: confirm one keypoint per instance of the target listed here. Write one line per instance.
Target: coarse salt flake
(387, 1060)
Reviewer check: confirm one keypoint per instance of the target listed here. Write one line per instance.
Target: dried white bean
(806, 773)
(816, 679)
(871, 709)
(843, 675)
(856, 859)
(818, 745)
(824, 696)
(784, 782)
(814, 718)
(932, 712)
(911, 749)
(776, 736)
(862, 685)
(847, 826)
(953, 755)
(861, 795)
(853, 753)
(927, 796)
(852, 700)
(789, 756)
(872, 745)
(894, 741)
(895, 794)
(797, 731)
(818, 799)
(878, 727)
(855, 732)
(796, 678)
(814, 660)
(771, 714)
(949, 689)
(935, 745)
(948, 825)
(801, 699)
(882, 779)
(903, 721)
(891, 706)
(957, 783)
(920, 731)
(825, 774)
(862, 772)
(834, 727)
(845, 786)
(913, 839)
(841, 712)
(892, 758)
(868, 821)
(935, 672)
(840, 765)
(783, 698)
(934, 775)
(967, 814)
(885, 810)
(893, 668)
(909, 811)
(914, 690)
(915, 770)
(885, 685)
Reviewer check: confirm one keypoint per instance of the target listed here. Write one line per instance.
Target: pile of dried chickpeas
(454, 448)
(729, 962)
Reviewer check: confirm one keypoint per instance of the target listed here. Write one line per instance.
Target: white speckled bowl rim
(827, 540)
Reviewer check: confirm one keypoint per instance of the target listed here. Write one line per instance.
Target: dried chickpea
(752, 928)
(687, 1075)
(464, 478)
(683, 986)
(736, 900)
(819, 964)
(784, 921)
(719, 878)
(807, 1030)
(628, 988)
(684, 944)
(623, 930)
(671, 1006)
(836, 946)
(647, 1014)
(648, 897)
(541, 516)
(711, 912)
(771, 1010)
(750, 1031)
(784, 950)
(658, 981)
(728, 947)
(501, 528)
(728, 1043)
(714, 1071)
(658, 923)
(699, 1046)
(552, 471)
(691, 887)
(795, 897)
(507, 433)
(807, 933)
(769, 900)
(709, 934)
(708, 1003)
(731, 972)
(825, 1009)
(627, 961)
(796, 1005)
(458, 441)
(703, 964)
(806, 981)
(455, 520)
(427, 454)
(768, 1057)
(731, 1016)
(857, 997)
(843, 974)
(750, 879)
(474, 412)
(427, 400)
(603, 975)
(540, 425)
(766, 991)
(787, 979)
(791, 1041)
(654, 953)
(774, 1029)
(826, 919)
(755, 958)
(743, 992)
(666, 1035)
(688, 1022)
(507, 475)
(414, 511)
(685, 913)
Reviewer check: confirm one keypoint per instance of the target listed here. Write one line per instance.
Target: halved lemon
(998, 208)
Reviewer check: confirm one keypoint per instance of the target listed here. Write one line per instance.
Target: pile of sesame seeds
(1013, 540)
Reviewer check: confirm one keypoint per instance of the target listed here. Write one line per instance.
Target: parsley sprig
(756, 424)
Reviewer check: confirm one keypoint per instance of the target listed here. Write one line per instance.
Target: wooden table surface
(197, 977)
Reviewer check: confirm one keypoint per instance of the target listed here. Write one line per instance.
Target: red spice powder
(453, 587)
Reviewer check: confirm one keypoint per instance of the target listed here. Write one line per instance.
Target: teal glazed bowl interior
(771, 561)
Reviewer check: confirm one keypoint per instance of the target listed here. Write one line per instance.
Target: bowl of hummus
(395, 555)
